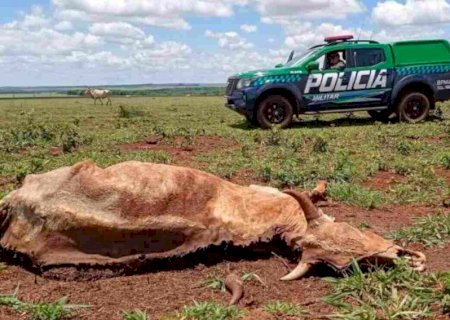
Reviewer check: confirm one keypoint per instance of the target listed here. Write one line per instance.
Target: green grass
(345, 151)
(209, 311)
(280, 308)
(213, 282)
(431, 231)
(135, 315)
(400, 293)
(58, 310)
(355, 194)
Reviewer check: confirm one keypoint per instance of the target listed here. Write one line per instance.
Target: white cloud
(119, 32)
(249, 28)
(417, 12)
(64, 26)
(229, 40)
(167, 13)
(273, 10)
(307, 34)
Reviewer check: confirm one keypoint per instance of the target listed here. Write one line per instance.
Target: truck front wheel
(275, 111)
(414, 107)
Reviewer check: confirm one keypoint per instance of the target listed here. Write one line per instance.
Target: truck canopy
(421, 52)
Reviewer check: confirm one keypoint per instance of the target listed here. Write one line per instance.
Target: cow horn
(319, 193)
(235, 285)
(298, 272)
(308, 207)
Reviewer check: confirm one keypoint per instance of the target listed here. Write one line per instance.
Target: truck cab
(346, 75)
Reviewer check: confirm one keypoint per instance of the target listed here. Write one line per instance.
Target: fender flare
(291, 87)
(416, 79)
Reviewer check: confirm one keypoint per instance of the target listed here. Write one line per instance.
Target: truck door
(326, 87)
(373, 75)
(364, 80)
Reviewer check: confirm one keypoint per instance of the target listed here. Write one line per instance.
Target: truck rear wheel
(275, 111)
(414, 107)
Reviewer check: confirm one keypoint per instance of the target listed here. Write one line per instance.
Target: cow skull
(337, 244)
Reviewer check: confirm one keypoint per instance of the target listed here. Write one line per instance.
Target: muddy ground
(163, 292)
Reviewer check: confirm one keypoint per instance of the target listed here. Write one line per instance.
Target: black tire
(414, 107)
(380, 115)
(275, 111)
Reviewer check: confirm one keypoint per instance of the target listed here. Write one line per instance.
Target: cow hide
(86, 215)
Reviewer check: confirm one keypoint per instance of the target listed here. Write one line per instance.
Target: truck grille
(232, 82)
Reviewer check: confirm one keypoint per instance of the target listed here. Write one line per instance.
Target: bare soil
(181, 150)
(383, 180)
(163, 292)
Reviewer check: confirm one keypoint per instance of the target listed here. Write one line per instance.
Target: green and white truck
(343, 75)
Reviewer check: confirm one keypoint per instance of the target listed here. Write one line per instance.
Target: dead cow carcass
(85, 215)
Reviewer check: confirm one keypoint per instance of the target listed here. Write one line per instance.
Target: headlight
(244, 83)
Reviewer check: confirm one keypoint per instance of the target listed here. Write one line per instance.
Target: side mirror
(313, 65)
(280, 65)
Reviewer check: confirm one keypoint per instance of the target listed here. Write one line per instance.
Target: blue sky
(84, 42)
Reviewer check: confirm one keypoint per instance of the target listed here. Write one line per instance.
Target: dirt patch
(246, 177)
(437, 139)
(166, 291)
(383, 180)
(443, 173)
(181, 149)
(381, 220)
(55, 151)
(4, 181)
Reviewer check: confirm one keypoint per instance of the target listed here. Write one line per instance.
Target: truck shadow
(332, 123)
(317, 123)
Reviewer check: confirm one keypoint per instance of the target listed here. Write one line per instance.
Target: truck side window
(327, 63)
(368, 57)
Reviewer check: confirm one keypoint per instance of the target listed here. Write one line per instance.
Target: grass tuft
(400, 293)
(355, 195)
(210, 311)
(135, 315)
(213, 282)
(431, 231)
(280, 309)
(58, 310)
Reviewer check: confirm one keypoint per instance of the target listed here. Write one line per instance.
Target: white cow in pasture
(97, 94)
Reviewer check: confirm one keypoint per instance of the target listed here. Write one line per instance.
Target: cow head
(337, 244)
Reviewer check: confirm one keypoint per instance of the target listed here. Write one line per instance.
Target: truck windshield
(299, 59)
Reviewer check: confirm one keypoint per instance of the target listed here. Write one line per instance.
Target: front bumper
(239, 101)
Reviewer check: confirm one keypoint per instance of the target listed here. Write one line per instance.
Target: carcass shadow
(208, 257)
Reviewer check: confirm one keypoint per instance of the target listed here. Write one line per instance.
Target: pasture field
(393, 178)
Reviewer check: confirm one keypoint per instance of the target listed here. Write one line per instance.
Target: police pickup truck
(344, 75)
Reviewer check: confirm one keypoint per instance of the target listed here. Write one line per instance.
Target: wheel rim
(276, 113)
(415, 108)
